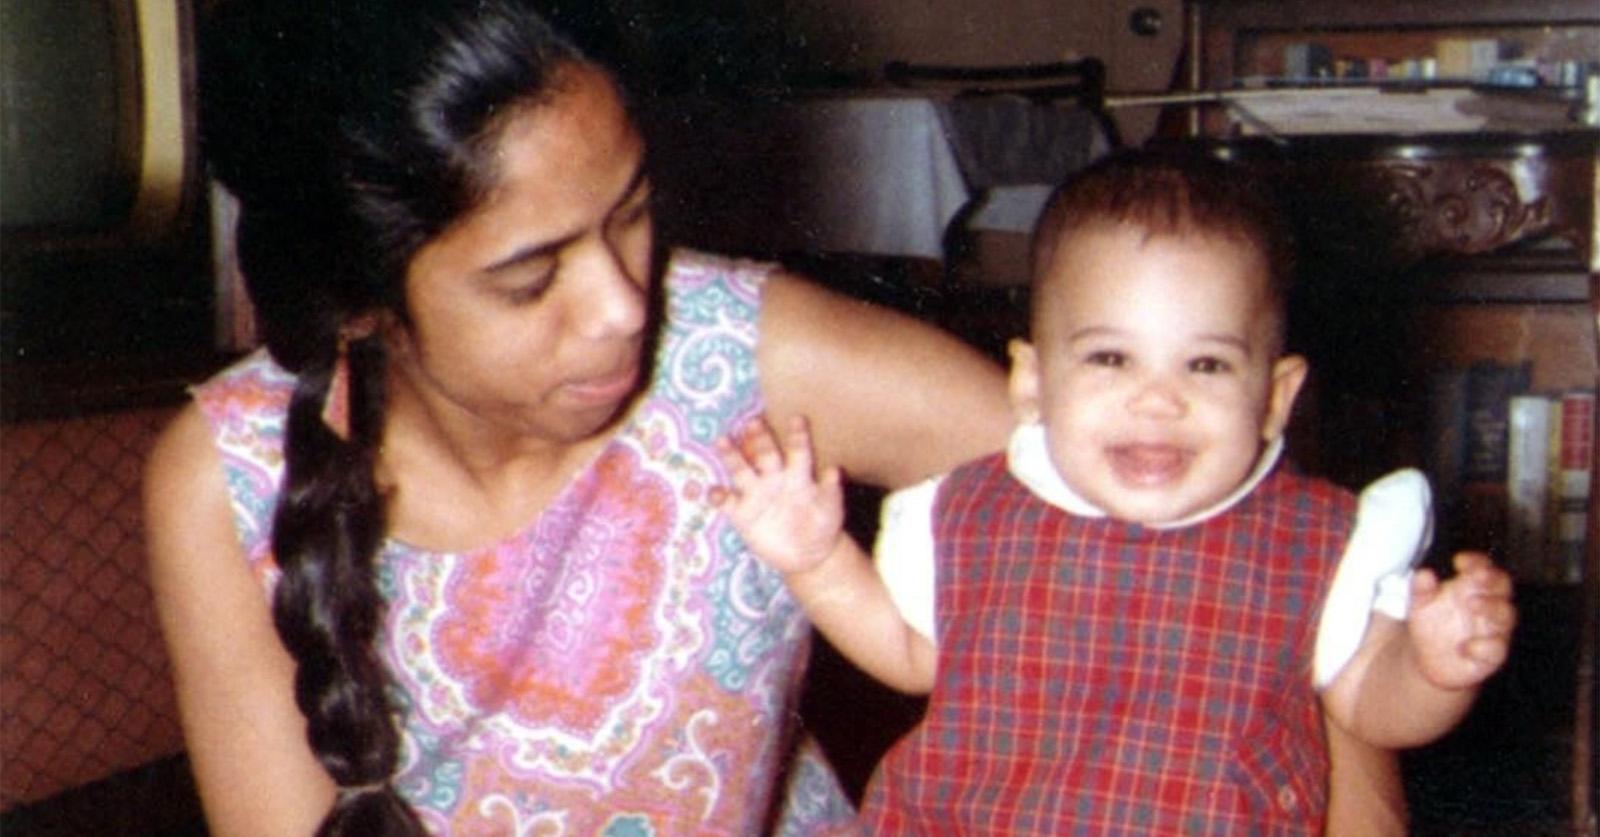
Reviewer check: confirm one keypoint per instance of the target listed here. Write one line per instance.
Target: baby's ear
(1024, 382)
(1288, 375)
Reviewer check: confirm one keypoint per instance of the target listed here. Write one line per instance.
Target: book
(1445, 446)
(1466, 58)
(1307, 60)
(1572, 477)
(1483, 512)
(1529, 515)
(1489, 389)
(1381, 107)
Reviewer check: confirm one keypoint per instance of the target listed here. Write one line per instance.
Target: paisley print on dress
(622, 665)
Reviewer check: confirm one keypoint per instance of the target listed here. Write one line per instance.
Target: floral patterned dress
(623, 665)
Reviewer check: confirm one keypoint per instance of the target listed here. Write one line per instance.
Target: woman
(442, 558)
(472, 473)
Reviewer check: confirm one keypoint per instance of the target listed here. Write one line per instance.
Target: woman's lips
(606, 389)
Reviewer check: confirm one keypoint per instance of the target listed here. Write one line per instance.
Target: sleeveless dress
(1101, 677)
(621, 666)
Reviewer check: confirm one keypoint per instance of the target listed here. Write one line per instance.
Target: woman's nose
(613, 302)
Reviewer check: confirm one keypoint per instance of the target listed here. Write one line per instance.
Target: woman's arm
(891, 400)
(235, 683)
(1365, 798)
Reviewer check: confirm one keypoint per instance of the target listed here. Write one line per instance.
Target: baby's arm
(793, 519)
(1413, 680)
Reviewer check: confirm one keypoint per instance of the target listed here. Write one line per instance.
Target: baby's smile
(1148, 464)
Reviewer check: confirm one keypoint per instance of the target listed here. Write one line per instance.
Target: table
(875, 173)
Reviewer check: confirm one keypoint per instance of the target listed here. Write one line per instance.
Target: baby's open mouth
(1144, 464)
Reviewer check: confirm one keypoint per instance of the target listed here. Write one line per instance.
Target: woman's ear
(1024, 381)
(1288, 376)
(362, 326)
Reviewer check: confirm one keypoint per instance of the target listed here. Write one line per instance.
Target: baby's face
(1153, 367)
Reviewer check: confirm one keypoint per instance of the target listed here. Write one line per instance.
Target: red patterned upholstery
(84, 686)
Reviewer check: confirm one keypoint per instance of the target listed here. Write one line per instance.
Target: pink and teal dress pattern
(623, 665)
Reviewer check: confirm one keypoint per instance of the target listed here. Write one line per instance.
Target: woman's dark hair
(352, 133)
(1171, 192)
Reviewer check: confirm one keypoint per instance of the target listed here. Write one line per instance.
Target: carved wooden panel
(1471, 206)
(1399, 200)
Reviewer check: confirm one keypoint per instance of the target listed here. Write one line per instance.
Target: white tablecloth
(863, 173)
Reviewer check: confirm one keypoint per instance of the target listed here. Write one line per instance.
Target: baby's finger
(1493, 597)
(1424, 585)
(760, 447)
(1467, 562)
(1479, 567)
(1489, 580)
(830, 486)
(797, 448)
(1494, 616)
(1488, 652)
(732, 458)
(743, 475)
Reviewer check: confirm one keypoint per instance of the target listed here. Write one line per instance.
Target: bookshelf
(1437, 249)
(1311, 66)
(1251, 42)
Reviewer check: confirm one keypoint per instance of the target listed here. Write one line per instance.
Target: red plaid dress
(1144, 681)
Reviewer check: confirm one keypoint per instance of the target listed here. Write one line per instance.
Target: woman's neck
(454, 482)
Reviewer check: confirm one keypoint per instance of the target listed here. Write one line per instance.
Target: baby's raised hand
(791, 516)
(1460, 629)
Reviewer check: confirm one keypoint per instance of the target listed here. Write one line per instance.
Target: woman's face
(528, 315)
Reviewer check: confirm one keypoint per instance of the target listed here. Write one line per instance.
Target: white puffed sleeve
(904, 553)
(1393, 528)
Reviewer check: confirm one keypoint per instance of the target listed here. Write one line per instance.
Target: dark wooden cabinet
(1426, 249)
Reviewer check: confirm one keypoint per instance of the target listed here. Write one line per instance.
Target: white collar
(1028, 459)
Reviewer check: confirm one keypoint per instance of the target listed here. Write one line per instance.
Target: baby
(1127, 619)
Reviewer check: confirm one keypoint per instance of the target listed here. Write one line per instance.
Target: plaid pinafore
(1099, 677)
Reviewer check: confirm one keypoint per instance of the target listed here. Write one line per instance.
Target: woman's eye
(531, 289)
(1209, 365)
(634, 211)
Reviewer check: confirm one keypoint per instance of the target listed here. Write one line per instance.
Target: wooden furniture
(1432, 213)
(1440, 248)
(1238, 38)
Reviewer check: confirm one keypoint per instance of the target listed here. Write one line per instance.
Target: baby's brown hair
(1169, 192)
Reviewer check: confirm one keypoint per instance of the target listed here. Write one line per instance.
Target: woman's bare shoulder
(188, 516)
(186, 435)
(891, 398)
(182, 459)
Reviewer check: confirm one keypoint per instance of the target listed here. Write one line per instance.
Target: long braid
(327, 607)
(353, 133)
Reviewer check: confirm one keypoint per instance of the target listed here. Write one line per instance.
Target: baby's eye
(1210, 365)
(1107, 358)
